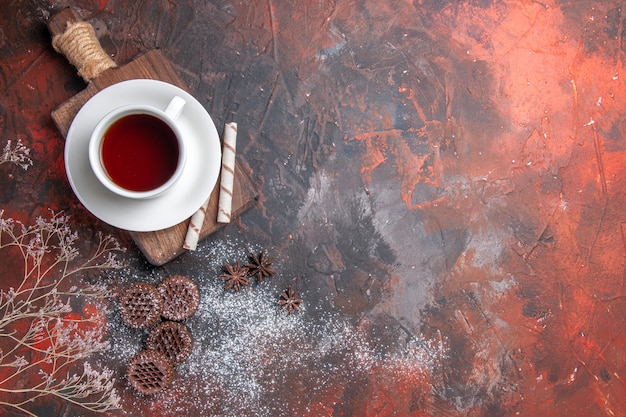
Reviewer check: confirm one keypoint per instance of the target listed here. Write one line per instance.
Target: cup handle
(175, 107)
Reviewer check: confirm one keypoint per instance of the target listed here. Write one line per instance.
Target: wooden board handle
(76, 39)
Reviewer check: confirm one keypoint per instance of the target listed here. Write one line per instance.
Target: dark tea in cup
(137, 151)
(140, 152)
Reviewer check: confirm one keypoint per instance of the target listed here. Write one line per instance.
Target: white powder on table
(248, 355)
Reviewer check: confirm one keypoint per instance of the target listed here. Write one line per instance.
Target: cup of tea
(137, 151)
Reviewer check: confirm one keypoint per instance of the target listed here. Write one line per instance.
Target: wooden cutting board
(161, 246)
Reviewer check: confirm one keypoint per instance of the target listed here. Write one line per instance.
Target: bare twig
(39, 331)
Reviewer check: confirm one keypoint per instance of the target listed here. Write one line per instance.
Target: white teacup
(137, 151)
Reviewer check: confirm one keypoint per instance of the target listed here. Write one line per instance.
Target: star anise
(289, 300)
(235, 276)
(260, 266)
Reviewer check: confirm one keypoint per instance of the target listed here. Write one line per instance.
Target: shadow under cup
(137, 151)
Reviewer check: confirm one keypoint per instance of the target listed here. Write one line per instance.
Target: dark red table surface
(442, 181)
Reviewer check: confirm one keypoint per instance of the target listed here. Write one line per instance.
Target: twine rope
(81, 47)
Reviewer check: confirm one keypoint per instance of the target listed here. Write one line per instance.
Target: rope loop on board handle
(81, 47)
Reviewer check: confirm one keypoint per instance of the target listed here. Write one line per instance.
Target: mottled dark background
(441, 180)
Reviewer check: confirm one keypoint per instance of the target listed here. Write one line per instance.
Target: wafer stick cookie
(226, 190)
(195, 226)
(228, 173)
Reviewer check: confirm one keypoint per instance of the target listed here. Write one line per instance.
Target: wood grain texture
(58, 22)
(159, 247)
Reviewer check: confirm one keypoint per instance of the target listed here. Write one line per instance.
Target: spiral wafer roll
(195, 227)
(228, 173)
(226, 190)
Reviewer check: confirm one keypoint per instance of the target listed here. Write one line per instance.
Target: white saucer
(186, 195)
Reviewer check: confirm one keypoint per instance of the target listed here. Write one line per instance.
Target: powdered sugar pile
(251, 359)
